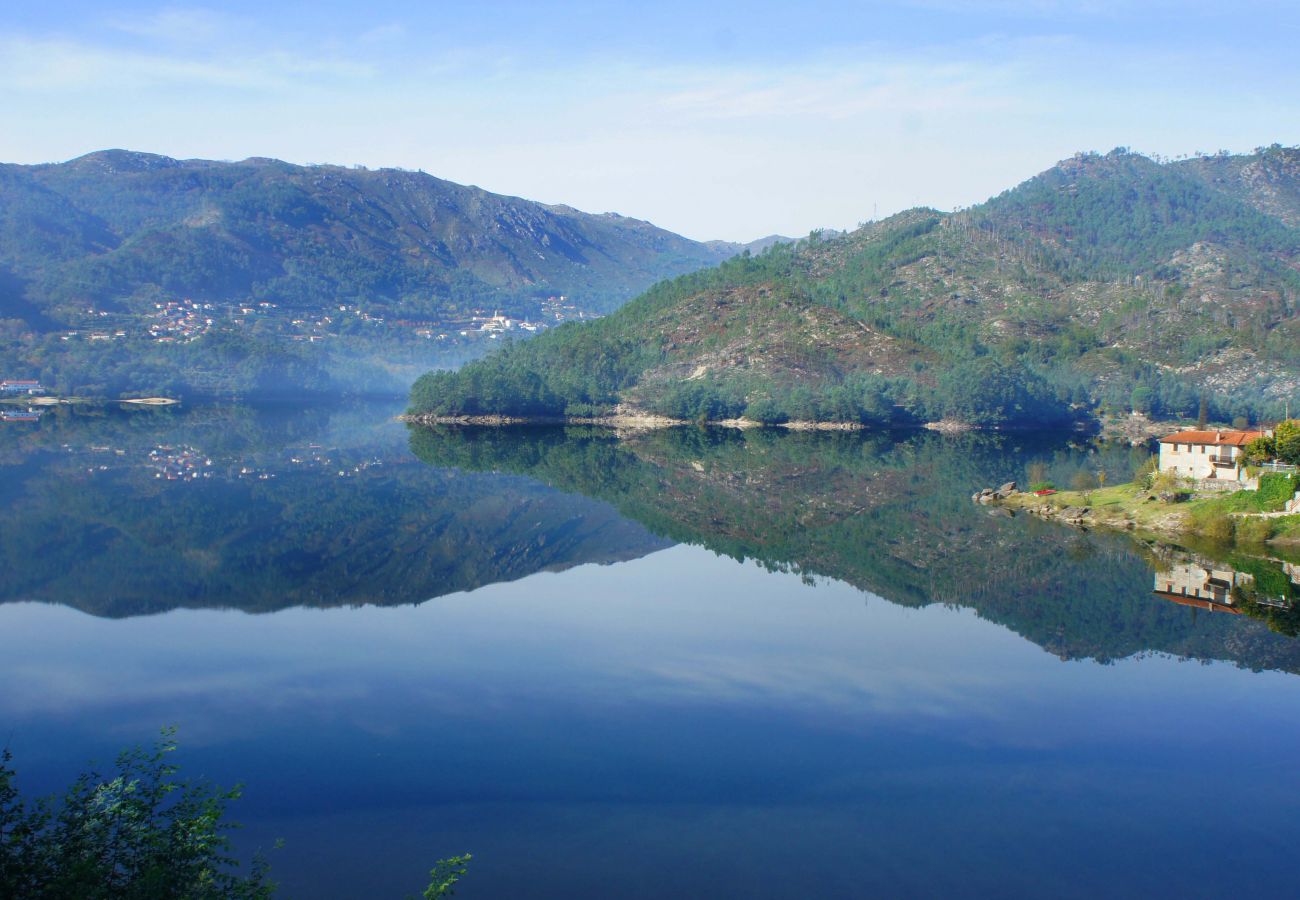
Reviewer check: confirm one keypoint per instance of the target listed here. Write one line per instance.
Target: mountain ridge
(274, 211)
(355, 276)
(1108, 282)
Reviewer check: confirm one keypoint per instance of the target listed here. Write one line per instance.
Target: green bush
(139, 833)
(1275, 489)
(1253, 531)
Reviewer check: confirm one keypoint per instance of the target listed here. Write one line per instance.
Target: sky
(713, 119)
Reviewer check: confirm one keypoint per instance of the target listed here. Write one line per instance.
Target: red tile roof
(1184, 600)
(1218, 438)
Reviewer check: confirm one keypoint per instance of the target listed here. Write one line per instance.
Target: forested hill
(1268, 180)
(1109, 281)
(127, 273)
(116, 228)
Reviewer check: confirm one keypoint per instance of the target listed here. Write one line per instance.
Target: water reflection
(680, 724)
(889, 514)
(1259, 587)
(126, 513)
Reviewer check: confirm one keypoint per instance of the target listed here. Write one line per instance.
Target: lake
(686, 663)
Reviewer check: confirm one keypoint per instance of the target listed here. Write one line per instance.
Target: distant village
(180, 321)
(186, 464)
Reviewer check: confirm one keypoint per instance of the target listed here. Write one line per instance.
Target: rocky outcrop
(991, 495)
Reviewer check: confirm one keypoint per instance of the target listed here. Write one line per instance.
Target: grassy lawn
(1218, 518)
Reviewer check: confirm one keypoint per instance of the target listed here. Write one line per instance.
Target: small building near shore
(21, 387)
(1207, 455)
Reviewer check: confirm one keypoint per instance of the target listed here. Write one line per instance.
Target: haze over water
(689, 663)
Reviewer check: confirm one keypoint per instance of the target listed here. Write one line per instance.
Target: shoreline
(624, 421)
(1130, 510)
(633, 420)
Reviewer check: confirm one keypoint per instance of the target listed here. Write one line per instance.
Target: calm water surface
(690, 665)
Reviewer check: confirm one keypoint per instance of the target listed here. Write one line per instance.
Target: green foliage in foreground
(138, 834)
(445, 875)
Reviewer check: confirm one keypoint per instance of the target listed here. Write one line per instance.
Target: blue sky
(717, 120)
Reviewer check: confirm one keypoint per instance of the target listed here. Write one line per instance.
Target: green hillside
(366, 265)
(114, 228)
(1109, 282)
(1268, 179)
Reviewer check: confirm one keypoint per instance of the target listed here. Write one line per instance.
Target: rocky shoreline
(1008, 499)
(623, 420)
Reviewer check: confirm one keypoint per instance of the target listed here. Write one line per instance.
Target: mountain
(117, 228)
(378, 264)
(728, 249)
(1111, 282)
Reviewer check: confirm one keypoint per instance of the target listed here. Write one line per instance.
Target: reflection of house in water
(1215, 586)
(1197, 584)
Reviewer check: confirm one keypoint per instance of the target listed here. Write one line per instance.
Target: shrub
(1083, 480)
(139, 833)
(1147, 472)
(1275, 489)
(1217, 528)
(1253, 531)
(1165, 482)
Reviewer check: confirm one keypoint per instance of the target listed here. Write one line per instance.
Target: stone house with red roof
(1207, 455)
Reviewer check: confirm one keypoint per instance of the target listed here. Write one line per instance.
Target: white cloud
(836, 91)
(381, 34)
(44, 65)
(180, 25)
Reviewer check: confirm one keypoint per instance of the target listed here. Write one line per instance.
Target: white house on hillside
(1206, 454)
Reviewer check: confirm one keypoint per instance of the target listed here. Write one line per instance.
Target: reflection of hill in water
(298, 508)
(889, 514)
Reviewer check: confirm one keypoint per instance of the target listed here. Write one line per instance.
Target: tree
(1261, 450)
(1141, 399)
(1084, 482)
(1286, 439)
